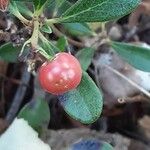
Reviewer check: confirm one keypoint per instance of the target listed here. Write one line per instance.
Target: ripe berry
(61, 74)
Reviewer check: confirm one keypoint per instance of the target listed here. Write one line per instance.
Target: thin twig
(15, 81)
(96, 77)
(2, 102)
(71, 41)
(19, 96)
(129, 81)
(137, 98)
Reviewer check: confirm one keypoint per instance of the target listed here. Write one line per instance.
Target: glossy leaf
(85, 57)
(37, 113)
(137, 56)
(83, 103)
(98, 10)
(9, 53)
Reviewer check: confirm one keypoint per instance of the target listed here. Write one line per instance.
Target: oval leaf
(23, 9)
(83, 103)
(9, 53)
(137, 56)
(85, 57)
(47, 29)
(62, 43)
(37, 113)
(77, 29)
(38, 4)
(98, 10)
(63, 7)
(48, 47)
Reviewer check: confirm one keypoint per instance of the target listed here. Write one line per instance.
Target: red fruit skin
(61, 74)
(3, 5)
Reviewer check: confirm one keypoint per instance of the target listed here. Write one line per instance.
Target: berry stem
(52, 21)
(34, 37)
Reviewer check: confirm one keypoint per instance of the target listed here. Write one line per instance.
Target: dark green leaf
(85, 57)
(137, 56)
(107, 146)
(40, 3)
(98, 10)
(48, 46)
(57, 7)
(24, 0)
(9, 53)
(62, 43)
(37, 113)
(45, 28)
(78, 29)
(63, 7)
(13, 8)
(23, 9)
(59, 3)
(85, 102)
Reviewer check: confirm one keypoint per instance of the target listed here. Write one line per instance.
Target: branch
(129, 81)
(71, 41)
(19, 96)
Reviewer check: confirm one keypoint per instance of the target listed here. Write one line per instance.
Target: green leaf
(85, 57)
(9, 53)
(24, 10)
(78, 29)
(23, 0)
(62, 43)
(107, 146)
(83, 103)
(57, 7)
(59, 3)
(13, 8)
(98, 10)
(48, 47)
(40, 3)
(45, 28)
(37, 113)
(63, 7)
(137, 56)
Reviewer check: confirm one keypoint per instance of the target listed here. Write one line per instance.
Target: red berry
(3, 5)
(61, 74)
